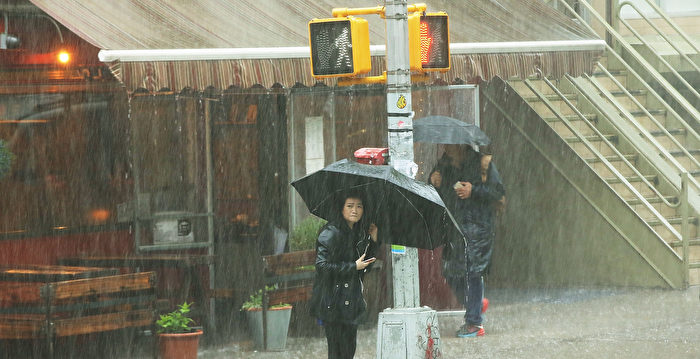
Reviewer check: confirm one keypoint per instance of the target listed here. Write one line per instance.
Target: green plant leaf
(177, 321)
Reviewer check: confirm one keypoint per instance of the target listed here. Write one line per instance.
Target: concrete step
(550, 97)
(693, 152)
(543, 110)
(693, 258)
(602, 170)
(592, 138)
(636, 182)
(686, 161)
(656, 203)
(626, 102)
(575, 121)
(582, 150)
(675, 222)
(632, 179)
(521, 87)
(632, 157)
(693, 249)
(646, 122)
(607, 83)
(666, 142)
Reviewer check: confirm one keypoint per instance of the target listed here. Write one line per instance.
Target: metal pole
(685, 227)
(400, 128)
(405, 331)
(210, 205)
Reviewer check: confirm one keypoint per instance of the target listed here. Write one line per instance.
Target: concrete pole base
(404, 333)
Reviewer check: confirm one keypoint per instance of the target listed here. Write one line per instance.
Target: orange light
(63, 57)
(425, 42)
(99, 215)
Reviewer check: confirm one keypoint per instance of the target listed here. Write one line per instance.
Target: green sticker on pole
(397, 249)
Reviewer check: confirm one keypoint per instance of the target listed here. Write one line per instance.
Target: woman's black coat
(337, 291)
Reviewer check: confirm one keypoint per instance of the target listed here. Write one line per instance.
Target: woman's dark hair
(343, 196)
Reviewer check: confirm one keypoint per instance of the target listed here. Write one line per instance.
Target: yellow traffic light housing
(429, 41)
(339, 47)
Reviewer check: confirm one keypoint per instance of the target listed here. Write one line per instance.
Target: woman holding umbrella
(344, 253)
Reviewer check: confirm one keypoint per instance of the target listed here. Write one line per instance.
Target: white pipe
(303, 52)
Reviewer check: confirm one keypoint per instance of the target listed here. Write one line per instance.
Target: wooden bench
(292, 273)
(81, 306)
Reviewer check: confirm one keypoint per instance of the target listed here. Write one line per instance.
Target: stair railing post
(685, 227)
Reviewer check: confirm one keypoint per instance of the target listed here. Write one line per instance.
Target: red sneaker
(484, 305)
(471, 331)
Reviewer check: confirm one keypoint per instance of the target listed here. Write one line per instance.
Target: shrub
(255, 300)
(177, 321)
(304, 235)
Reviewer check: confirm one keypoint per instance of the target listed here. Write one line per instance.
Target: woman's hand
(373, 232)
(361, 263)
(436, 179)
(464, 190)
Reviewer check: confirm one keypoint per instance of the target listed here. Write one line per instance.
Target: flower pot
(179, 345)
(277, 327)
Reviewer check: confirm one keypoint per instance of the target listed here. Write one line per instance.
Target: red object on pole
(372, 156)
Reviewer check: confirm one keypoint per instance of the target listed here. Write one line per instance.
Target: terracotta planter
(179, 346)
(277, 327)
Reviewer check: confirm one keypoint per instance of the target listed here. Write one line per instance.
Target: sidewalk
(606, 323)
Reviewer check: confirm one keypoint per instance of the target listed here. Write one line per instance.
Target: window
(71, 166)
(314, 143)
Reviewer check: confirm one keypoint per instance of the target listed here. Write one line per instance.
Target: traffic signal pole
(400, 132)
(340, 48)
(407, 330)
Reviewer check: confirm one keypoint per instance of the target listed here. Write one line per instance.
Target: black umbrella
(448, 130)
(407, 212)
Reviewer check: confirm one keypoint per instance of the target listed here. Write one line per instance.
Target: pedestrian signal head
(429, 39)
(339, 47)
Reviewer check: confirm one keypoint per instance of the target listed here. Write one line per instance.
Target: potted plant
(177, 338)
(276, 318)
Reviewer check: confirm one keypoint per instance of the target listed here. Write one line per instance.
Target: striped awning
(175, 75)
(486, 31)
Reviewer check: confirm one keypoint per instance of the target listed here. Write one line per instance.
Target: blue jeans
(469, 291)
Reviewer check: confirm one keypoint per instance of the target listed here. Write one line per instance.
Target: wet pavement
(605, 323)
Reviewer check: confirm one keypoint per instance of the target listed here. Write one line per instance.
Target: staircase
(637, 143)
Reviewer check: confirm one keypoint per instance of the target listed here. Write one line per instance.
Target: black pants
(342, 340)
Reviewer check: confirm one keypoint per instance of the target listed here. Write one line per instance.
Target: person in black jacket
(472, 190)
(344, 253)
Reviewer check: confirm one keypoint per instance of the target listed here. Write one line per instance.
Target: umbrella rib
(331, 195)
(416, 209)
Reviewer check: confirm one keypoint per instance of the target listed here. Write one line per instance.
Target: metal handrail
(669, 110)
(509, 116)
(682, 102)
(629, 164)
(602, 158)
(647, 87)
(643, 130)
(661, 59)
(670, 22)
(685, 227)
